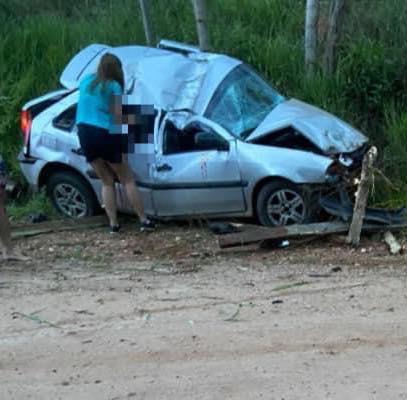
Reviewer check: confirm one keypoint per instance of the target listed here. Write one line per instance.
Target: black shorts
(99, 143)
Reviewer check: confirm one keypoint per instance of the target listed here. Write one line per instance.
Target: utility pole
(201, 23)
(145, 13)
(336, 15)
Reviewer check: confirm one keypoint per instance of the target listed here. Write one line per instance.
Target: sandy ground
(169, 316)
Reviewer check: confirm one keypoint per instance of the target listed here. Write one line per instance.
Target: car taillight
(25, 124)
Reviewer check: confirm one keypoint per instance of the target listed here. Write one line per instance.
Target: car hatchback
(223, 142)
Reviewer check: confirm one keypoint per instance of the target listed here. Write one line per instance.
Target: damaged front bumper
(340, 205)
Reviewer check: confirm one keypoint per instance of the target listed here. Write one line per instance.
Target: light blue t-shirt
(94, 106)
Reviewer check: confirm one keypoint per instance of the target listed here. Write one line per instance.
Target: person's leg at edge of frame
(108, 190)
(126, 178)
(5, 240)
(6, 247)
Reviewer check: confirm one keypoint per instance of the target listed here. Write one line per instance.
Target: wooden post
(145, 13)
(201, 23)
(334, 26)
(311, 35)
(361, 197)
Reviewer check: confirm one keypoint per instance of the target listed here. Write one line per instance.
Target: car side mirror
(209, 141)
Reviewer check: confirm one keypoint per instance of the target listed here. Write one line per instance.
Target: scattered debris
(234, 316)
(290, 285)
(394, 245)
(274, 244)
(147, 317)
(277, 301)
(36, 218)
(284, 244)
(256, 234)
(222, 228)
(342, 207)
(57, 226)
(34, 317)
(315, 275)
(86, 312)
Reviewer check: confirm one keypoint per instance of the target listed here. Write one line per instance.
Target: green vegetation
(368, 88)
(37, 203)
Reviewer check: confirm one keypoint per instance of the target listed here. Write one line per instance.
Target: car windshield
(242, 101)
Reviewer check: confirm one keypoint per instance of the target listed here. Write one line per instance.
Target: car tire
(71, 195)
(281, 203)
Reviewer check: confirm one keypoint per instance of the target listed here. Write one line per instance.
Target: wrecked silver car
(224, 143)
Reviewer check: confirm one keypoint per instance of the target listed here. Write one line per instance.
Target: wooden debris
(361, 197)
(57, 226)
(255, 234)
(394, 245)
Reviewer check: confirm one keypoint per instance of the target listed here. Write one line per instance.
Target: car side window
(66, 120)
(193, 138)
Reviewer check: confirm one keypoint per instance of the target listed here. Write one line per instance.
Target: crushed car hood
(327, 132)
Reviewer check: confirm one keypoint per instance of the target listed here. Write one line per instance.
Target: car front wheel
(71, 195)
(281, 203)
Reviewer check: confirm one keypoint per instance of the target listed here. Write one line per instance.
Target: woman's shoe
(114, 229)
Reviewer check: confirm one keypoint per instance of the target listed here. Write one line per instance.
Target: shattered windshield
(242, 101)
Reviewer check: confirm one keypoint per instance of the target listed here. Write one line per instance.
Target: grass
(368, 88)
(38, 203)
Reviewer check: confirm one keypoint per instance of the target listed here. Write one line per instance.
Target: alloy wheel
(285, 207)
(70, 200)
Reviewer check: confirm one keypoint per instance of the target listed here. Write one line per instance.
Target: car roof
(168, 78)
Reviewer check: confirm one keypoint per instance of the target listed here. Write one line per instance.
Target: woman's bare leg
(108, 191)
(5, 240)
(126, 178)
(6, 248)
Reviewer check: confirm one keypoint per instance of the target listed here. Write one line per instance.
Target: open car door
(196, 171)
(142, 147)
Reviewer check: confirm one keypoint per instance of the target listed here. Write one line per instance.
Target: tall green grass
(368, 88)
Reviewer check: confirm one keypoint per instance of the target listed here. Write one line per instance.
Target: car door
(141, 160)
(196, 170)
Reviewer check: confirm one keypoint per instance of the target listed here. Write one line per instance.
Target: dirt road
(174, 318)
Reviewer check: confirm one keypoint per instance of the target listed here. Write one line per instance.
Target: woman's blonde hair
(109, 69)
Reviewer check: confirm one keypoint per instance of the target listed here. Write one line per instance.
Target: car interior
(194, 137)
(66, 120)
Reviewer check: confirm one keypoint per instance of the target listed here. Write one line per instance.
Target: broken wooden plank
(57, 226)
(15, 234)
(394, 245)
(260, 233)
(362, 194)
(255, 234)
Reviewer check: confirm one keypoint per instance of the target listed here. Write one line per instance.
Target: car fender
(300, 167)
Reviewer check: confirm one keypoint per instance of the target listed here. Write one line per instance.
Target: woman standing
(99, 110)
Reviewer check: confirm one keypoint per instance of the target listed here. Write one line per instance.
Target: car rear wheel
(71, 195)
(281, 203)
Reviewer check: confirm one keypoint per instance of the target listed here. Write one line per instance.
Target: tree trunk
(311, 35)
(334, 26)
(201, 23)
(145, 13)
(361, 197)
